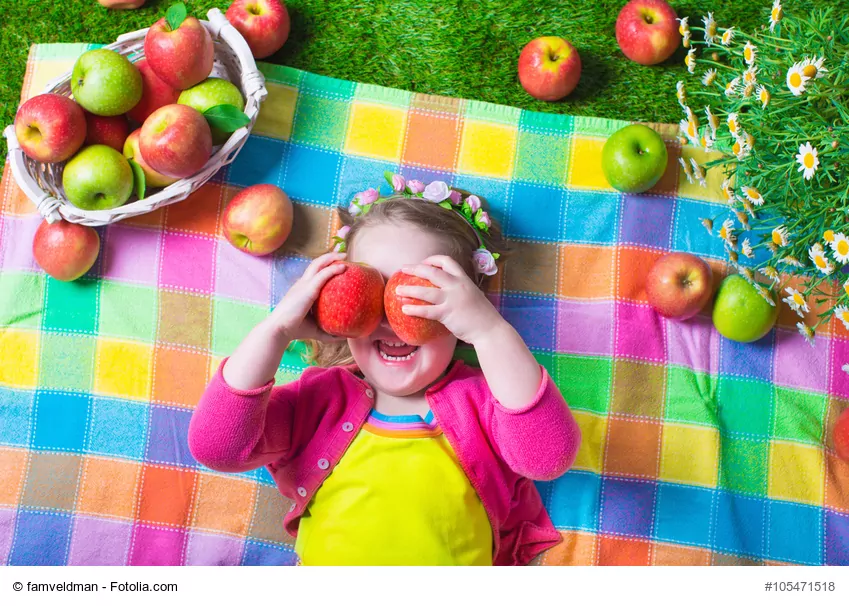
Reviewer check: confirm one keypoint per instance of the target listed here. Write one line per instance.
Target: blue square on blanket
(261, 160)
(535, 318)
(118, 428)
(689, 233)
(795, 533)
(627, 507)
(683, 514)
(536, 212)
(573, 500)
(17, 410)
(358, 174)
(739, 524)
(169, 436)
(751, 360)
(41, 539)
(310, 174)
(265, 554)
(592, 217)
(61, 419)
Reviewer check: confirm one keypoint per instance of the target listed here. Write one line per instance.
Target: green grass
(461, 48)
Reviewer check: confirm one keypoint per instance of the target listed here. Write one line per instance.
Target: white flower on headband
(436, 191)
(354, 209)
(415, 186)
(474, 203)
(484, 262)
(398, 183)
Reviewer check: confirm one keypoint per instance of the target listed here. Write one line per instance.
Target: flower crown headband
(436, 192)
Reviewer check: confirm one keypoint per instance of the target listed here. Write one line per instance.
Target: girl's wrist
(280, 328)
(494, 334)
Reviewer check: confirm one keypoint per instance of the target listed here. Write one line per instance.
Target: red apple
(679, 285)
(264, 24)
(50, 128)
(182, 57)
(122, 4)
(65, 250)
(549, 68)
(106, 130)
(412, 330)
(132, 152)
(647, 31)
(156, 93)
(176, 141)
(259, 219)
(350, 304)
(841, 435)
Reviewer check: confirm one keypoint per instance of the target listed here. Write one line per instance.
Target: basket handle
(46, 204)
(253, 82)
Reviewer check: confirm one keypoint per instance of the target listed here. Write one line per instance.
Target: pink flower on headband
(339, 238)
(415, 186)
(437, 191)
(484, 262)
(368, 196)
(484, 219)
(342, 232)
(398, 183)
(354, 209)
(455, 197)
(474, 203)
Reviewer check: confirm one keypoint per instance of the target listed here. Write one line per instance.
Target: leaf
(388, 176)
(176, 15)
(226, 117)
(138, 179)
(445, 205)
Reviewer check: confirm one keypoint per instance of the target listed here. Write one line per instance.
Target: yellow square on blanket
(18, 358)
(376, 131)
(277, 112)
(689, 454)
(590, 455)
(487, 149)
(796, 473)
(585, 168)
(123, 369)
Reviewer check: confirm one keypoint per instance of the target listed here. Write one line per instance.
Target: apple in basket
(264, 24)
(549, 68)
(176, 141)
(151, 177)
(97, 178)
(351, 303)
(105, 82)
(647, 31)
(412, 330)
(50, 128)
(155, 93)
(740, 313)
(841, 435)
(209, 93)
(679, 285)
(106, 130)
(65, 250)
(181, 52)
(259, 219)
(633, 158)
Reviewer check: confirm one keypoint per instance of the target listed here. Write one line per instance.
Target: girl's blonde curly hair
(461, 241)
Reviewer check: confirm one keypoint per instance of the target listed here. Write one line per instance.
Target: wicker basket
(42, 182)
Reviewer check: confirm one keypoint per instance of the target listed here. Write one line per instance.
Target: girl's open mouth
(395, 351)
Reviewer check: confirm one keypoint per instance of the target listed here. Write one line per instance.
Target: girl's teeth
(396, 358)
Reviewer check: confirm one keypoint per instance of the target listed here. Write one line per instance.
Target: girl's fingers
(430, 312)
(447, 264)
(436, 276)
(321, 262)
(321, 278)
(423, 293)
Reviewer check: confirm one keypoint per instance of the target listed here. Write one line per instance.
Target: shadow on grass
(594, 77)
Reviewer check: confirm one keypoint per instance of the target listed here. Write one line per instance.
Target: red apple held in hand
(50, 128)
(106, 130)
(182, 57)
(176, 141)
(132, 152)
(350, 304)
(65, 250)
(411, 329)
(647, 31)
(259, 219)
(549, 68)
(679, 285)
(156, 93)
(264, 24)
(841, 435)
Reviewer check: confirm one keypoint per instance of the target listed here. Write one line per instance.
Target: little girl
(395, 454)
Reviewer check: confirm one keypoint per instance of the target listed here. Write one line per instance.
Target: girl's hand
(456, 302)
(291, 316)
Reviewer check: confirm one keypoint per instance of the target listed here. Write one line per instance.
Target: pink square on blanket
(585, 327)
(213, 550)
(97, 542)
(187, 261)
(7, 530)
(799, 365)
(16, 244)
(157, 546)
(241, 276)
(131, 254)
(839, 384)
(640, 333)
(693, 343)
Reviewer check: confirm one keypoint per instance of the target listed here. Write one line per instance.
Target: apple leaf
(226, 117)
(176, 15)
(138, 179)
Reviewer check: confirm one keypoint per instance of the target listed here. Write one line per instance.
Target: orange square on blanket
(576, 549)
(586, 272)
(836, 483)
(200, 212)
(180, 376)
(166, 495)
(224, 503)
(109, 487)
(14, 201)
(152, 219)
(433, 140)
(13, 466)
(622, 551)
(633, 448)
(633, 266)
(680, 555)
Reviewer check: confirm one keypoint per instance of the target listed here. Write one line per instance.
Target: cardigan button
(323, 463)
(302, 491)
(347, 427)
(369, 393)
(292, 507)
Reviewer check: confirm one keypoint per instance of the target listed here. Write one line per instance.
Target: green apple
(98, 178)
(209, 93)
(106, 83)
(633, 158)
(740, 313)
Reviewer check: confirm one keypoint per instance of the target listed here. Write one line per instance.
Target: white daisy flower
(712, 121)
(820, 261)
(780, 237)
(708, 223)
(744, 271)
(845, 368)
(796, 79)
(740, 149)
(750, 53)
(765, 293)
(828, 235)
(763, 96)
(748, 90)
(842, 314)
(731, 87)
(747, 206)
(690, 61)
(698, 173)
(709, 77)
(790, 260)
(690, 129)
(840, 247)
(775, 14)
(753, 195)
(683, 25)
(746, 249)
(796, 301)
(682, 94)
(710, 29)
(726, 233)
(728, 191)
(750, 76)
(808, 160)
(688, 172)
(733, 124)
(685, 39)
(771, 273)
(727, 37)
(807, 332)
(743, 218)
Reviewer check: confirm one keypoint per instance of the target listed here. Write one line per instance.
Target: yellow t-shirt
(397, 497)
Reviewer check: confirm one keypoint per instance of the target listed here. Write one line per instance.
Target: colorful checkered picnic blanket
(696, 450)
